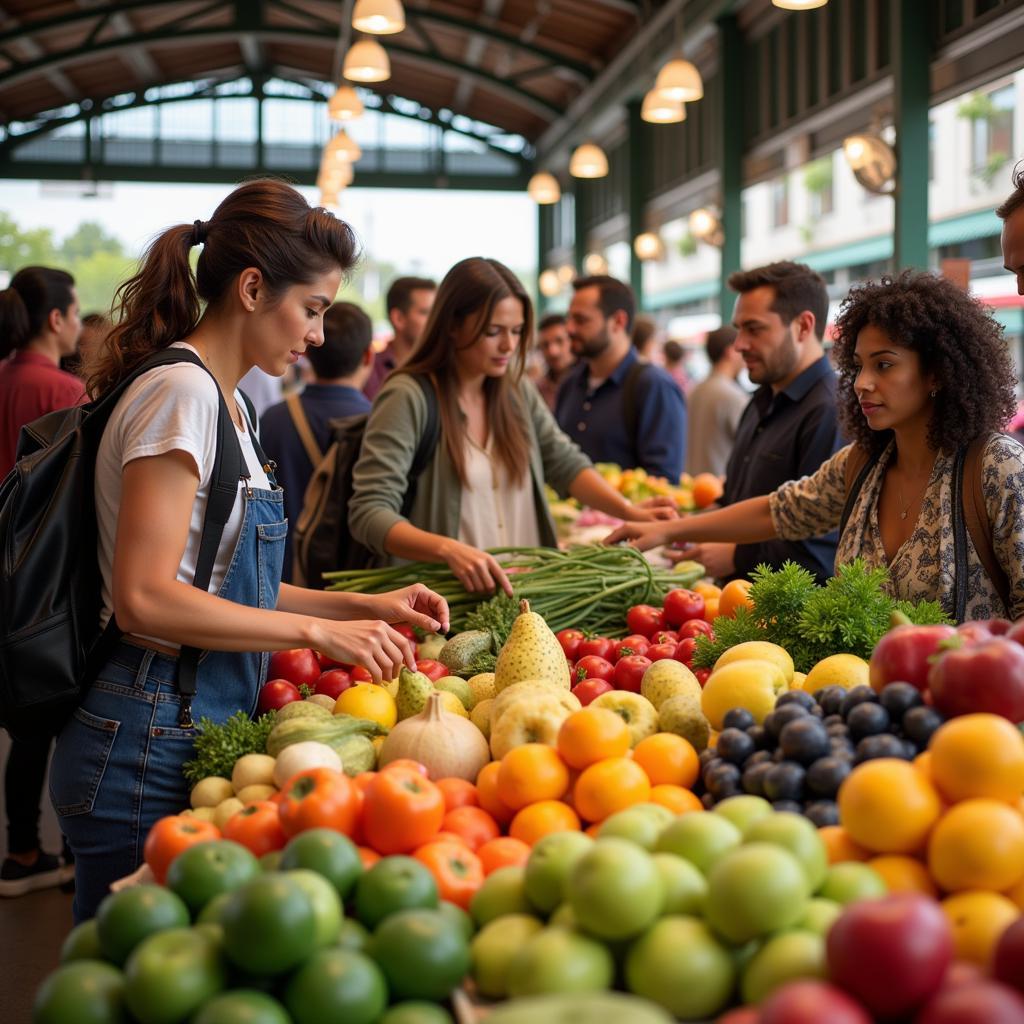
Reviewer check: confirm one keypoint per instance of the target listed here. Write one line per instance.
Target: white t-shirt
(170, 408)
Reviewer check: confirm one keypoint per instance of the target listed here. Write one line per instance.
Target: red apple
(299, 666)
(433, 670)
(811, 1002)
(360, 674)
(983, 677)
(333, 683)
(981, 1002)
(902, 655)
(590, 689)
(1008, 960)
(890, 953)
(275, 693)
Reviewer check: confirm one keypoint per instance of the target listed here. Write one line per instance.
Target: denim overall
(117, 765)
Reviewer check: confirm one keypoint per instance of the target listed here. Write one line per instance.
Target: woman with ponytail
(39, 325)
(269, 268)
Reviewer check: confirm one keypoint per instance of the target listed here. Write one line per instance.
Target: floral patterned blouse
(923, 567)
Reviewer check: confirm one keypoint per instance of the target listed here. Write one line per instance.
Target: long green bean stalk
(589, 587)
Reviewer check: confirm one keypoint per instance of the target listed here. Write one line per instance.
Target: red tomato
(696, 627)
(257, 827)
(318, 798)
(635, 644)
(276, 694)
(629, 671)
(702, 675)
(402, 811)
(406, 630)
(644, 619)
(170, 835)
(297, 666)
(593, 667)
(665, 636)
(685, 650)
(433, 670)
(326, 663)
(590, 689)
(333, 683)
(570, 639)
(597, 647)
(681, 605)
(360, 675)
(661, 652)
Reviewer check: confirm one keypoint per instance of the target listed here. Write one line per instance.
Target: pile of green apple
(694, 912)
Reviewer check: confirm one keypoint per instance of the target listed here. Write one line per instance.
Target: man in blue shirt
(615, 407)
(341, 366)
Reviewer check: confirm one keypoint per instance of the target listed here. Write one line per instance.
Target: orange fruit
(978, 920)
(541, 819)
(839, 846)
(531, 773)
(677, 799)
(706, 589)
(610, 786)
(458, 793)
(888, 806)
(471, 825)
(1016, 894)
(667, 759)
(978, 756)
(367, 856)
(735, 594)
(978, 844)
(593, 830)
(707, 489)
(503, 852)
(711, 608)
(923, 763)
(592, 734)
(487, 794)
(904, 874)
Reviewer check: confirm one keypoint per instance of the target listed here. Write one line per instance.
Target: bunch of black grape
(808, 745)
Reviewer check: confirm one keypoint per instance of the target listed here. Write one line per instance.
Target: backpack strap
(859, 462)
(976, 518)
(631, 403)
(304, 430)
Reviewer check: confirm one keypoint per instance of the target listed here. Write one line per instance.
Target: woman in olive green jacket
(499, 445)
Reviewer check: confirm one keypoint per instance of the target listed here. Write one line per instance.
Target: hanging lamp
(334, 175)
(366, 61)
(680, 80)
(799, 5)
(657, 108)
(588, 161)
(549, 283)
(345, 104)
(378, 17)
(341, 149)
(543, 188)
(648, 246)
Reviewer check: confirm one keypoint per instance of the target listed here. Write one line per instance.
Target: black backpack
(322, 541)
(50, 601)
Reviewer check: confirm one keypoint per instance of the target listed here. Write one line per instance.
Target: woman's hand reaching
(644, 536)
(476, 570)
(372, 643)
(416, 605)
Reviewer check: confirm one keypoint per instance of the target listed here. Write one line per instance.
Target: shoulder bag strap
(858, 464)
(305, 431)
(976, 518)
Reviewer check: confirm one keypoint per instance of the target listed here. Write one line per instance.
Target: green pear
(413, 690)
(458, 686)
(532, 651)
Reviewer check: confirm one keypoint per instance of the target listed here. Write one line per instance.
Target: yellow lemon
(368, 700)
(752, 684)
(759, 650)
(846, 670)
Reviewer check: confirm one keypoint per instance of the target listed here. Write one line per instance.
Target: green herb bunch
(217, 747)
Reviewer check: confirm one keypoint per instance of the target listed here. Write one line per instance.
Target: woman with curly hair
(925, 379)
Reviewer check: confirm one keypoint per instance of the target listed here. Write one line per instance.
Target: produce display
(753, 804)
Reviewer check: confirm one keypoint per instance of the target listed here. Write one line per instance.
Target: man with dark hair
(615, 407)
(294, 433)
(1011, 212)
(554, 345)
(716, 405)
(789, 428)
(408, 302)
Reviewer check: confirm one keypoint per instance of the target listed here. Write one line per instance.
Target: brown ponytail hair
(26, 304)
(467, 296)
(264, 223)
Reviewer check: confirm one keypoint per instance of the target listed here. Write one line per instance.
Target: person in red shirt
(39, 324)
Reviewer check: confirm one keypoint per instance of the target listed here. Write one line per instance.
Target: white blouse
(496, 512)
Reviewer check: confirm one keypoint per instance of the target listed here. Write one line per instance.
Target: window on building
(780, 202)
(992, 131)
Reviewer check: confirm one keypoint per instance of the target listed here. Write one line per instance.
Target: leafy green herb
(305, 691)
(496, 616)
(218, 747)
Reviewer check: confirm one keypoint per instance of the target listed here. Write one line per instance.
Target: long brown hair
(467, 297)
(263, 223)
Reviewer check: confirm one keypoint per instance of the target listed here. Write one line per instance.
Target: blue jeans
(117, 767)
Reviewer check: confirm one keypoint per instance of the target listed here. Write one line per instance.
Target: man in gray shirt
(716, 405)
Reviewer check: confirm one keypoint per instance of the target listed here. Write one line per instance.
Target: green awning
(867, 251)
(982, 224)
(679, 296)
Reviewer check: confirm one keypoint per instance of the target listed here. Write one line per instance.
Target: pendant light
(648, 246)
(680, 80)
(566, 272)
(345, 104)
(378, 17)
(543, 188)
(366, 61)
(706, 226)
(334, 176)
(595, 263)
(588, 161)
(799, 5)
(657, 108)
(341, 149)
(549, 283)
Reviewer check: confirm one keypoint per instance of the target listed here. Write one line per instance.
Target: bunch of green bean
(589, 587)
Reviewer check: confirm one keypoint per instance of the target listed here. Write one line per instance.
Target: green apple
(616, 889)
(795, 833)
(681, 966)
(703, 839)
(551, 861)
(851, 881)
(686, 889)
(640, 824)
(743, 811)
(559, 960)
(503, 892)
(819, 916)
(757, 889)
(327, 908)
(563, 917)
(786, 957)
(493, 948)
